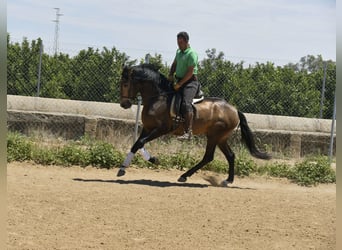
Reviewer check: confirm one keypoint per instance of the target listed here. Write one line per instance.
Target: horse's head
(128, 90)
(144, 79)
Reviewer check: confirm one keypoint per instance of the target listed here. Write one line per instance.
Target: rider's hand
(176, 86)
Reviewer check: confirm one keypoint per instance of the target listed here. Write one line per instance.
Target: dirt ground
(86, 208)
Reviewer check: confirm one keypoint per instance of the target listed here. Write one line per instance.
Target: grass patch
(311, 171)
(281, 170)
(19, 147)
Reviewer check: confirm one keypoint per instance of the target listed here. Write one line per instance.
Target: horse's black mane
(150, 72)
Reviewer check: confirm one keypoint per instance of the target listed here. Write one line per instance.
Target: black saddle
(176, 102)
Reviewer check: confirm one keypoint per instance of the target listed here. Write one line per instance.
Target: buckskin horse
(214, 118)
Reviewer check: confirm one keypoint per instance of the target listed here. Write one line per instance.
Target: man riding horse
(215, 117)
(185, 67)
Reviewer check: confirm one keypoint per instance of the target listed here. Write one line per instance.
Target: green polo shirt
(184, 60)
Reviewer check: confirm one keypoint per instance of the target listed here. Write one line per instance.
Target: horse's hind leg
(208, 157)
(230, 156)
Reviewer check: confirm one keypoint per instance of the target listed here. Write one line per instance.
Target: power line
(55, 47)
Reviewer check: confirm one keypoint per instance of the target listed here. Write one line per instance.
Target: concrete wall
(71, 119)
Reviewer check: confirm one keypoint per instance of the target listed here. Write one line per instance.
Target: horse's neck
(150, 94)
(156, 90)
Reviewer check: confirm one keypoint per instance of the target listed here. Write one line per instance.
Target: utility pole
(55, 48)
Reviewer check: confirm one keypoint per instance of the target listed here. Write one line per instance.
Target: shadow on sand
(154, 183)
(147, 183)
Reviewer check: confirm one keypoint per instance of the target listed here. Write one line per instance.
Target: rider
(185, 65)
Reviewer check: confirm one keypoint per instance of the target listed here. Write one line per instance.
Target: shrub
(44, 156)
(244, 165)
(73, 155)
(217, 166)
(281, 170)
(19, 148)
(179, 161)
(310, 171)
(102, 154)
(313, 171)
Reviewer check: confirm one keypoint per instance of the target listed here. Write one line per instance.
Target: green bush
(244, 165)
(313, 171)
(217, 166)
(281, 170)
(310, 171)
(179, 161)
(45, 156)
(19, 147)
(104, 155)
(73, 155)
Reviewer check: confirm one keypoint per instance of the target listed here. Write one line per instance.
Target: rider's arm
(173, 69)
(187, 76)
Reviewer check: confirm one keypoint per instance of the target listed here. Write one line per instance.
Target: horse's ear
(125, 71)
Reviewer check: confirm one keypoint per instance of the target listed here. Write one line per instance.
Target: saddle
(176, 102)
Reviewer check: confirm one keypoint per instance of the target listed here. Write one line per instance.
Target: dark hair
(183, 35)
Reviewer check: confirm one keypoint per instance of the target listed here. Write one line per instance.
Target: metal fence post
(136, 126)
(39, 68)
(332, 130)
(323, 91)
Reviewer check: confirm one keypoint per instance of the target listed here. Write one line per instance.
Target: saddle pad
(175, 104)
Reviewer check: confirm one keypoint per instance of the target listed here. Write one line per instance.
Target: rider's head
(183, 35)
(182, 40)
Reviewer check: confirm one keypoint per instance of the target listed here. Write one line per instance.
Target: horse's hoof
(182, 179)
(121, 172)
(225, 183)
(154, 160)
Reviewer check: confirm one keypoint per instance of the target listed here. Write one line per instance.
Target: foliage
(104, 155)
(313, 171)
(45, 156)
(181, 161)
(73, 155)
(280, 170)
(94, 75)
(217, 166)
(310, 171)
(292, 90)
(19, 148)
(244, 165)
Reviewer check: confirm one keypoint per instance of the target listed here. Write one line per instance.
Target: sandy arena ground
(86, 208)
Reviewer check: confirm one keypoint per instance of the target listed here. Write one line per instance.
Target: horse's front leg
(139, 144)
(146, 155)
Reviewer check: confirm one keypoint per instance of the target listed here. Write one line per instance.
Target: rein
(163, 94)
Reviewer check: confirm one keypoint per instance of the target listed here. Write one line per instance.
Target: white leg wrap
(145, 154)
(128, 159)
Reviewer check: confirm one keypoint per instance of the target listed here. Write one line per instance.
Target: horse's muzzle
(126, 104)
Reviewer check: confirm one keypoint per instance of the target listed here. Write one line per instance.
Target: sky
(249, 31)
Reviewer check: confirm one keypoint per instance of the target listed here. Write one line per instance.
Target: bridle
(150, 97)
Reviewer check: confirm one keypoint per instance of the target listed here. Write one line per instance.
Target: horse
(214, 117)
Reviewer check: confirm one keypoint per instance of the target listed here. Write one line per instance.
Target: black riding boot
(187, 127)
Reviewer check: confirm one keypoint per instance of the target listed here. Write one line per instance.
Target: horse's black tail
(247, 137)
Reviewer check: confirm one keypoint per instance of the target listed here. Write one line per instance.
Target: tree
(94, 75)
(22, 66)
